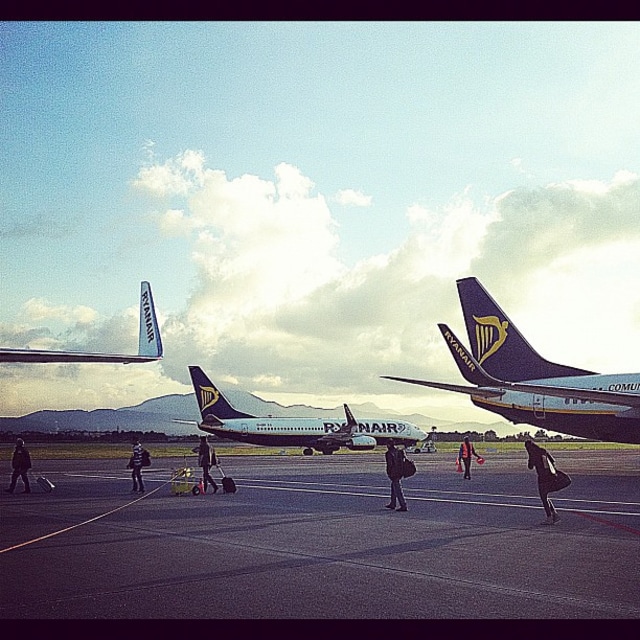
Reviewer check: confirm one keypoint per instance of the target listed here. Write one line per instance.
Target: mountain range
(159, 415)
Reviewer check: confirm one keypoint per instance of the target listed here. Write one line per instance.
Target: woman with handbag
(539, 458)
(394, 459)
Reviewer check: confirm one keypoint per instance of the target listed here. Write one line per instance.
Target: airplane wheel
(327, 453)
(195, 491)
(308, 452)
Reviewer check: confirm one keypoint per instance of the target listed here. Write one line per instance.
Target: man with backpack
(395, 471)
(21, 463)
(135, 463)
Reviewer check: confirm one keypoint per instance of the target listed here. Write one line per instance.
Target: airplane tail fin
(469, 367)
(149, 341)
(352, 423)
(496, 342)
(212, 403)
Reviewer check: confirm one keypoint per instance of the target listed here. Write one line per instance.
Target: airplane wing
(488, 386)
(348, 433)
(593, 395)
(483, 392)
(345, 431)
(149, 342)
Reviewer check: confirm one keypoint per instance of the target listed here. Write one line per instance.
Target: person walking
(206, 459)
(394, 459)
(20, 463)
(539, 459)
(465, 455)
(135, 463)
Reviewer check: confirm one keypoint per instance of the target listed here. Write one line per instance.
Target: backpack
(408, 467)
(146, 458)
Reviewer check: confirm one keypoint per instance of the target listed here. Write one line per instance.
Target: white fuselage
(586, 418)
(309, 432)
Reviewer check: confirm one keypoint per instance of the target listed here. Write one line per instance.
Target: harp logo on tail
(491, 334)
(208, 397)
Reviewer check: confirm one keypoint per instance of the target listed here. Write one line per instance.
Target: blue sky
(302, 197)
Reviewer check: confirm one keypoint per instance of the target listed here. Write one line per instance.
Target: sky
(302, 197)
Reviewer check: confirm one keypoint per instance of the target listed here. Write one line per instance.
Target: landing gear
(327, 452)
(308, 451)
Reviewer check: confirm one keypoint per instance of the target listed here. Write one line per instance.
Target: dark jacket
(206, 456)
(21, 460)
(538, 457)
(394, 459)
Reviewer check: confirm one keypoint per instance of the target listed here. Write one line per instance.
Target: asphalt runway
(309, 538)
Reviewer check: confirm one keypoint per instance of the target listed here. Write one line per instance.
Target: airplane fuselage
(581, 418)
(312, 432)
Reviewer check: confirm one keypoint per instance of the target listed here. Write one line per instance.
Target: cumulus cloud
(538, 225)
(177, 176)
(79, 328)
(28, 388)
(38, 309)
(273, 308)
(352, 198)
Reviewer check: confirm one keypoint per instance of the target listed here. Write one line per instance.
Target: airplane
(511, 379)
(149, 342)
(325, 435)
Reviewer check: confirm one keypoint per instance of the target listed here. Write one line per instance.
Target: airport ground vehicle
(427, 447)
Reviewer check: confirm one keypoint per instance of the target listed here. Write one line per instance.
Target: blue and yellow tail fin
(496, 342)
(211, 401)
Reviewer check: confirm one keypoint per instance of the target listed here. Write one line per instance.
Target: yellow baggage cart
(183, 482)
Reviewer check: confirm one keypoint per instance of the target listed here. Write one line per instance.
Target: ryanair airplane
(322, 434)
(511, 379)
(149, 342)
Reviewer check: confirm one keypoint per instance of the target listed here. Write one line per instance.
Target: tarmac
(309, 538)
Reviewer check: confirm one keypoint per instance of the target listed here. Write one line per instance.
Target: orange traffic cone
(480, 460)
(458, 466)
(201, 486)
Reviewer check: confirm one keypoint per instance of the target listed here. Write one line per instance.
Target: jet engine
(361, 443)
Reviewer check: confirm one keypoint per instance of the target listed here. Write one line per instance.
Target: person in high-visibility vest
(465, 454)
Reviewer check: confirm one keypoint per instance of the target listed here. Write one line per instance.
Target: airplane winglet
(149, 341)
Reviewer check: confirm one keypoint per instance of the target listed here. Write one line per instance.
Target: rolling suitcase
(45, 484)
(228, 484)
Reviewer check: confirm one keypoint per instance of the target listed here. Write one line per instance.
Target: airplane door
(538, 406)
(244, 428)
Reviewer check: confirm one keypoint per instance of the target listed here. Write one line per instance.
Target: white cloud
(177, 176)
(38, 309)
(275, 310)
(350, 197)
(28, 388)
(173, 223)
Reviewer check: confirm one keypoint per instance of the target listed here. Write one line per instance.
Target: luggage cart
(183, 482)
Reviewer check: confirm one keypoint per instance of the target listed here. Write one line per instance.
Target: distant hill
(158, 414)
